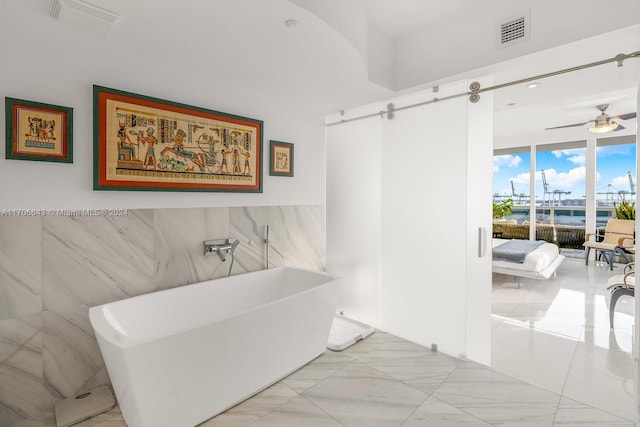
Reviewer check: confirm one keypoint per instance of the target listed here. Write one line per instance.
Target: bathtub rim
(105, 330)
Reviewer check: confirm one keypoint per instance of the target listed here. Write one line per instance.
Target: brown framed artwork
(146, 143)
(280, 158)
(38, 131)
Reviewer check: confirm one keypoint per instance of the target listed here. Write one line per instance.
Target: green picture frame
(281, 159)
(38, 131)
(142, 143)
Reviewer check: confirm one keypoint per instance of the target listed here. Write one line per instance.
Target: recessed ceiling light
(532, 85)
(292, 23)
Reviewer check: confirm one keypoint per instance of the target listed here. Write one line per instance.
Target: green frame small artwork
(38, 131)
(280, 158)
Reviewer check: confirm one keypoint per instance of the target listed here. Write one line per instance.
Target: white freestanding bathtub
(181, 356)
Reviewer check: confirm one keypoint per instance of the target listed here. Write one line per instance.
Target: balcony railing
(562, 225)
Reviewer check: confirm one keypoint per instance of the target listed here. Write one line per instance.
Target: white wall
(52, 65)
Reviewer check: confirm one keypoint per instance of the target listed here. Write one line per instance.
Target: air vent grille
(81, 13)
(512, 30)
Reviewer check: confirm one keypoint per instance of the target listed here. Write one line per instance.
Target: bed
(540, 263)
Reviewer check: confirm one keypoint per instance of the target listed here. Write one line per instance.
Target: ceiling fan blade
(625, 116)
(570, 126)
(620, 127)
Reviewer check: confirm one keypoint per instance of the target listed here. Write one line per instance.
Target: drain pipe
(266, 244)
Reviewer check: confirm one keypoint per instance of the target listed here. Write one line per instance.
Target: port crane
(521, 196)
(550, 199)
(623, 193)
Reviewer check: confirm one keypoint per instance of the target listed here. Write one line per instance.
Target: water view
(560, 181)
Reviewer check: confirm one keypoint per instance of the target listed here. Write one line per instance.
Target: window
(511, 180)
(615, 175)
(560, 183)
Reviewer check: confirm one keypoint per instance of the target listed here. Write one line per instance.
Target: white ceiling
(397, 18)
(522, 114)
(244, 44)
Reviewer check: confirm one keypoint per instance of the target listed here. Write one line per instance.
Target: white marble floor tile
(29, 423)
(318, 369)
(496, 398)
(607, 352)
(424, 370)
(521, 337)
(252, 409)
(549, 374)
(360, 396)
(297, 412)
(610, 394)
(265, 401)
(436, 413)
(578, 349)
(574, 414)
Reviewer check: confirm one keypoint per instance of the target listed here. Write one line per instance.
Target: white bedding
(536, 260)
(540, 263)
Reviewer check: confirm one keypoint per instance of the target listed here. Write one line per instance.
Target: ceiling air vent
(513, 30)
(85, 15)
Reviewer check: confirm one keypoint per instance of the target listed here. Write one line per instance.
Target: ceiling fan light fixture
(603, 128)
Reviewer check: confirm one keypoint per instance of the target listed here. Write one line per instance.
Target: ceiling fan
(603, 123)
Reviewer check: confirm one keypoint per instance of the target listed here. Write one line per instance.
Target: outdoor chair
(619, 285)
(617, 233)
(570, 236)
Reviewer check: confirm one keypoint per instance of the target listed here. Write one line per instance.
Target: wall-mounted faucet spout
(220, 254)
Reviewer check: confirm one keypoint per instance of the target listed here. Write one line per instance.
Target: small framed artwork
(37, 131)
(281, 158)
(146, 143)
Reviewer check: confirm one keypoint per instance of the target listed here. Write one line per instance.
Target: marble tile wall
(52, 269)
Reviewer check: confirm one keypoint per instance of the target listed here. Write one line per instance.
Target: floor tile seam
(481, 401)
(459, 409)
(589, 406)
(577, 364)
(564, 385)
(21, 346)
(513, 379)
(408, 417)
(271, 410)
(442, 382)
(323, 411)
(404, 381)
(354, 362)
(528, 347)
(601, 372)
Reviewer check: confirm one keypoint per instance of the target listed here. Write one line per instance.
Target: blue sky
(565, 170)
